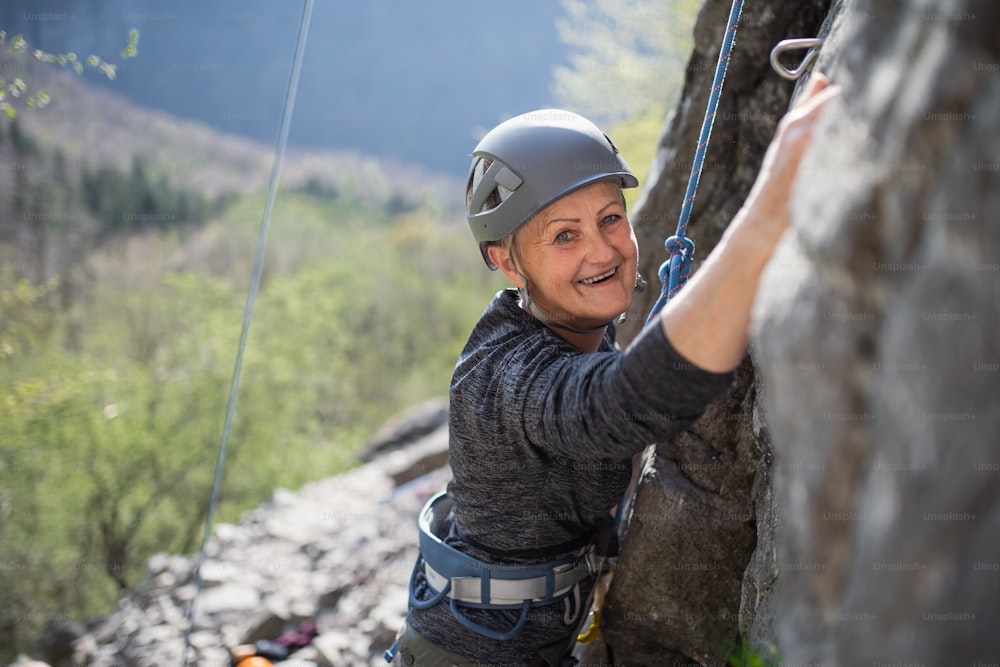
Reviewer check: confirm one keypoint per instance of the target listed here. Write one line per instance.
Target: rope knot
(681, 250)
(679, 245)
(674, 272)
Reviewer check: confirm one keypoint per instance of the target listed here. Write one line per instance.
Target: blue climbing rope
(674, 272)
(258, 267)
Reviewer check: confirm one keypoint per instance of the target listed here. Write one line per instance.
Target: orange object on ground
(255, 661)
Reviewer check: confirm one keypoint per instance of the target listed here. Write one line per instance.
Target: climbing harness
(674, 272)
(466, 582)
(811, 43)
(258, 267)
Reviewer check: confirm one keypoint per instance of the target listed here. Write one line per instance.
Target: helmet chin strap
(529, 305)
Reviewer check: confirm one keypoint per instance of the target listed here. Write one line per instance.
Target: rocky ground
(338, 551)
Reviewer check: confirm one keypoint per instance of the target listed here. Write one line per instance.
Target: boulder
(407, 427)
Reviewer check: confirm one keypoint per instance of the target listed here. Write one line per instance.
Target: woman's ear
(500, 256)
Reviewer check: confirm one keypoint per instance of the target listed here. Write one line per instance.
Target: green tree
(17, 89)
(137, 200)
(624, 57)
(104, 458)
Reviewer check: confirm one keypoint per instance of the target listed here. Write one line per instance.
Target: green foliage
(317, 187)
(107, 447)
(18, 89)
(637, 138)
(626, 67)
(25, 318)
(137, 200)
(395, 204)
(746, 656)
(105, 457)
(623, 59)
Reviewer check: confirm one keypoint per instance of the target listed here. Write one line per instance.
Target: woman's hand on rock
(766, 207)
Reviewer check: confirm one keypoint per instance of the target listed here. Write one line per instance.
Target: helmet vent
(489, 185)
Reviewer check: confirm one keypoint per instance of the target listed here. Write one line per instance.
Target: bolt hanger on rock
(811, 43)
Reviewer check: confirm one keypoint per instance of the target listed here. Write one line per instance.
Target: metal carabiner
(811, 43)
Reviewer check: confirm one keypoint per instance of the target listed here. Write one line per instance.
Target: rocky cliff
(853, 470)
(878, 339)
(697, 573)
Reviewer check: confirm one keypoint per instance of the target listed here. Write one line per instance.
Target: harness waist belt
(505, 592)
(463, 581)
(467, 579)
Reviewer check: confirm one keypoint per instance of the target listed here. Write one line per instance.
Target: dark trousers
(416, 651)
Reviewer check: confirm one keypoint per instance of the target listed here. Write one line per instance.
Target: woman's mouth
(601, 278)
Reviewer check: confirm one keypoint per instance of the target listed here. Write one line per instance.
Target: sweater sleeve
(612, 404)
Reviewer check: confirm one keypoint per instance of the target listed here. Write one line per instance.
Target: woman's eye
(614, 217)
(562, 237)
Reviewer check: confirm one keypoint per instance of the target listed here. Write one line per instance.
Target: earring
(640, 283)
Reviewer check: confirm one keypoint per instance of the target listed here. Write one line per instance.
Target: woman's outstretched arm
(708, 321)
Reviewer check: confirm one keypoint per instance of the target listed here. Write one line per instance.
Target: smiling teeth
(597, 279)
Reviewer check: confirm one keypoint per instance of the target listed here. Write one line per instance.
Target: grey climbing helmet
(529, 161)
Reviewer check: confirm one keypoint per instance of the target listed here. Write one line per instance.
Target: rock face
(698, 565)
(878, 340)
(403, 429)
(877, 512)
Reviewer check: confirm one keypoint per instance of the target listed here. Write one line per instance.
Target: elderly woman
(546, 413)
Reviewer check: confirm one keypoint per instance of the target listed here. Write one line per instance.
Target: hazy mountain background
(418, 82)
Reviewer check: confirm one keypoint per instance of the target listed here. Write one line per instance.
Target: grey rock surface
(697, 570)
(876, 360)
(877, 337)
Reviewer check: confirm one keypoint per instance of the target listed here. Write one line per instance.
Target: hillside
(95, 125)
(391, 80)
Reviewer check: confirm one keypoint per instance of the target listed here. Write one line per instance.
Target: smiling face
(578, 255)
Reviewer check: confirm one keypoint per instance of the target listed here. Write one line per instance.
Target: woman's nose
(599, 248)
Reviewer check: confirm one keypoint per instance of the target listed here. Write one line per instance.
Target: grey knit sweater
(541, 441)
